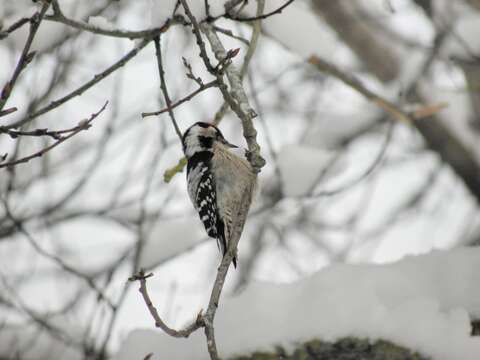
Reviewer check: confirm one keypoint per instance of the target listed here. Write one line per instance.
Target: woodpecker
(220, 183)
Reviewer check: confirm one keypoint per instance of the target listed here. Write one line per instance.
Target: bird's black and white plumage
(220, 182)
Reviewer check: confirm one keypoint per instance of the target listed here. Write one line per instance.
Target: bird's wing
(206, 205)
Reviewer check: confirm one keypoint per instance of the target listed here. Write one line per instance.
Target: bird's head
(202, 136)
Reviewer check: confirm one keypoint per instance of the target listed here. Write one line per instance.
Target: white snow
(301, 166)
(423, 303)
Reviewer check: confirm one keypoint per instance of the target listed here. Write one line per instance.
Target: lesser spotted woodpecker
(220, 183)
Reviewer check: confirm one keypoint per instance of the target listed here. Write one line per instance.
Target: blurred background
(345, 181)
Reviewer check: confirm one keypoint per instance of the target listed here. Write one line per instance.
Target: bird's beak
(225, 142)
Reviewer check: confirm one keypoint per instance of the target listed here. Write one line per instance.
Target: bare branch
(26, 55)
(82, 125)
(8, 111)
(198, 36)
(80, 90)
(15, 26)
(197, 324)
(354, 83)
(62, 264)
(163, 86)
(260, 17)
(58, 16)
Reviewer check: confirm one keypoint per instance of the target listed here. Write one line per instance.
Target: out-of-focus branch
(26, 56)
(426, 6)
(471, 71)
(82, 125)
(15, 26)
(436, 135)
(54, 258)
(8, 111)
(377, 55)
(80, 90)
(375, 163)
(474, 3)
(354, 83)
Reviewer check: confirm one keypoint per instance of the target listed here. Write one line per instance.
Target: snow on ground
(421, 302)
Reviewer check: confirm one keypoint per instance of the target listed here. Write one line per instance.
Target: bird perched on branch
(220, 183)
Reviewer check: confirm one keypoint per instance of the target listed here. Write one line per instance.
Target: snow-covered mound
(424, 303)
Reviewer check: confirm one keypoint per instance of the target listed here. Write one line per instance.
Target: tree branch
(197, 324)
(259, 17)
(163, 86)
(189, 97)
(82, 125)
(26, 56)
(80, 90)
(59, 17)
(388, 106)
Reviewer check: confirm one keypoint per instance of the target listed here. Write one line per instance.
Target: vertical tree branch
(26, 55)
(163, 86)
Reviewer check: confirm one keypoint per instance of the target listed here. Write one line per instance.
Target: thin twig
(231, 34)
(15, 26)
(354, 83)
(7, 111)
(257, 28)
(54, 134)
(62, 264)
(163, 86)
(142, 278)
(203, 87)
(386, 105)
(259, 17)
(80, 90)
(82, 125)
(26, 55)
(375, 163)
(198, 36)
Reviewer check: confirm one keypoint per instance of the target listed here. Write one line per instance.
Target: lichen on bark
(344, 349)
